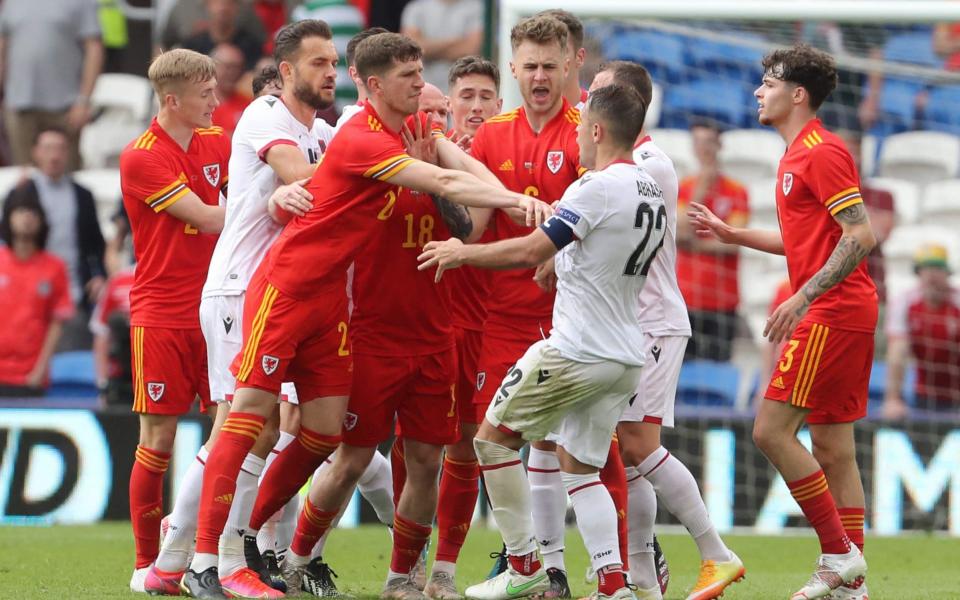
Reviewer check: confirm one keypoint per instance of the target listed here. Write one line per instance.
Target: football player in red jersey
(531, 149)
(828, 323)
(295, 318)
(575, 95)
(171, 178)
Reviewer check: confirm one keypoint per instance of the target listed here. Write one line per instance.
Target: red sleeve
(146, 176)
(61, 305)
(833, 178)
(375, 155)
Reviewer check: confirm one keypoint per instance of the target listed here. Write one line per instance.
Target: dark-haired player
(824, 368)
(295, 318)
(571, 387)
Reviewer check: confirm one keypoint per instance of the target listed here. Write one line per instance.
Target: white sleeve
(583, 205)
(264, 127)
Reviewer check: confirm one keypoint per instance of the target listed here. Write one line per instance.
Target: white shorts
(577, 405)
(221, 319)
(657, 391)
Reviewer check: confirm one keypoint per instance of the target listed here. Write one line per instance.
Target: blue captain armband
(559, 232)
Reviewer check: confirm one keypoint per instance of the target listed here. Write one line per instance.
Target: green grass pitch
(95, 562)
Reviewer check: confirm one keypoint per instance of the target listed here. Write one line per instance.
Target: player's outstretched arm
(463, 188)
(856, 242)
(704, 221)
(289, 201)
(514, 253)
(194, 211)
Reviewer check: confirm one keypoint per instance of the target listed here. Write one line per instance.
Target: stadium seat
(941, 203)
(708, 383)
(662, 54)
(762, 194)
(906, 197)
(749, 154)
(898, 104)
(72, 374)
(720, 99)
(941, 109)
(915, 48)
(878, 386)
(120, 91)
(677, 145)
(738, 59)
(920, 156)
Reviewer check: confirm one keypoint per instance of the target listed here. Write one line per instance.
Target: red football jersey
(172, 256)
(542, 165)
(33, 293)
(398, 310)
(352, 202)
(816, 180)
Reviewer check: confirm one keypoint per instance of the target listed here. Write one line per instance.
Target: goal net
(898, 101)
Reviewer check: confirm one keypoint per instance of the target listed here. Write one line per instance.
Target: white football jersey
(248, 229)
(619, 219)
(346, 114)
(662, 309)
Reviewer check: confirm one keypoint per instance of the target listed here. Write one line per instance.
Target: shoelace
(707, 572)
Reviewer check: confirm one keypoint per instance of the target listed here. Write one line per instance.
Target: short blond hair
(179, 66)
(540, 29)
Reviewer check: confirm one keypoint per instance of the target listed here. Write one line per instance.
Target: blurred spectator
(446, 30)
(385, 13)
(273, 16)
(34, 298)
(346, 21)
(187, 18)
(110, 326)
(946, 43)
(230, 68)
(707, 270)
(925, 323)
(267, 81)
(71, 213)
(119, 251)
(224, 25)
(769, 351)
(848, 107)
(50, 58)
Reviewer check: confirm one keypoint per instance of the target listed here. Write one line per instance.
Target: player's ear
(499, 105)
(513, 69)
(581, 57)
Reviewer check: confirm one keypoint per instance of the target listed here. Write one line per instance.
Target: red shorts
(169, 370)
(468, 353)
(826, 371)
(417, 391)
(285, 339)
(502, 347)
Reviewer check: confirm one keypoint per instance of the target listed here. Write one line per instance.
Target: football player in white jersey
(572, 387)
(651, 470)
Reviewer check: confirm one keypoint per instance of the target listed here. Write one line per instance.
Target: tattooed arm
(457, 217)
(856, 241)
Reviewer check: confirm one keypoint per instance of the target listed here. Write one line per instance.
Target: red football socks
(409, 538)
(237, 436)
(291, 469)
(146, 502)
(311, 525)
(852, 520)
(459, 488)
(614, 478)
(814, 498)
(528, 564)
(610, 579)
(398, 469)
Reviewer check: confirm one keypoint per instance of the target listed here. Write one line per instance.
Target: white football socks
(509, 492)
(549, 506)
(596, 518)
(231, 540)
(641, 515)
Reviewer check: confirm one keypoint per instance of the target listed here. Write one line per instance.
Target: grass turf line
(96, 561)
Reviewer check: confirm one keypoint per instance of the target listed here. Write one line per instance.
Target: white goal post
(864, 11)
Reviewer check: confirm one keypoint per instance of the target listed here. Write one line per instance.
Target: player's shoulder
(656, 164)
(504, 119)
(572, 115)
(143, 150)
(819, 142)
(214, 131)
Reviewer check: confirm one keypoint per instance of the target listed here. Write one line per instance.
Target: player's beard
(305, 94)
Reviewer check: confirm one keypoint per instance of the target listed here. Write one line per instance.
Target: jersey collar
(812, 124)
(161, 133)
(645, 139)
(564, 107)
(368, 107)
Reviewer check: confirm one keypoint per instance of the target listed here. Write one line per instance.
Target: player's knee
(159, 434)
(462, 451)
(350, 465)
(833, 456)
(765, 438)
